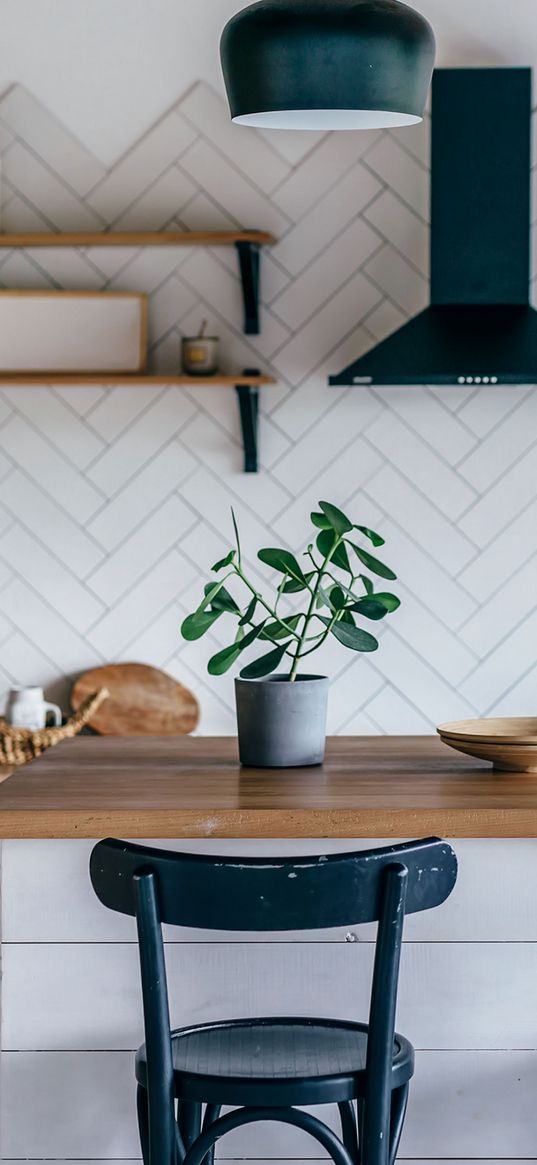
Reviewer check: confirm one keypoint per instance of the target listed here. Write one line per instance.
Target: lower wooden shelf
(127, 378)
(246, 385)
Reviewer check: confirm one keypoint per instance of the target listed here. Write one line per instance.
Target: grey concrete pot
(281, 724)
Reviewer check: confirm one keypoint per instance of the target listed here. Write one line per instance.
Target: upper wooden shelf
(129, 378)
(136, 239)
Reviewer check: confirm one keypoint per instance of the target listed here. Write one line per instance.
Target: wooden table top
(376, 786)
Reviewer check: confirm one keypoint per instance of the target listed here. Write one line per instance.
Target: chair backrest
(264, 894)
(267, 894)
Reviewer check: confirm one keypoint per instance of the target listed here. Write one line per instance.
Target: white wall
(109, 69)
(114, 502)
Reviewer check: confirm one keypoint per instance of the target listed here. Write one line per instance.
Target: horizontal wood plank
(47, 896)
(452, 996)
(471, 1104)
(195, 787)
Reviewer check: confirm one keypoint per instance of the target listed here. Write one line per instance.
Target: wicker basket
(19, 745)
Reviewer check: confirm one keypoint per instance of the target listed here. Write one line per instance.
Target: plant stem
(321, 637)
(260, 599)
(311, 609)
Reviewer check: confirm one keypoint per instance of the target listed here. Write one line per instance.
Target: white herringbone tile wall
(114, 501)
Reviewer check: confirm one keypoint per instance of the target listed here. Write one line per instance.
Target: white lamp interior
(326, 119)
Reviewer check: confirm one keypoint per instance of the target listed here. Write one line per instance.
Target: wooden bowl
(508, 742)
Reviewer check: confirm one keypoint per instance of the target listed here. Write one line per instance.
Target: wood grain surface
(125, 379)
(508, 742)
(493, 730)
(142, 701)
(377, 786)
(134, 238)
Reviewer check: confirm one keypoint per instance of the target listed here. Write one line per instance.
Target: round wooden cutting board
(143, 701)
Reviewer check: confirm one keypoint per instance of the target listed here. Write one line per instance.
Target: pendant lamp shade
(327, 64)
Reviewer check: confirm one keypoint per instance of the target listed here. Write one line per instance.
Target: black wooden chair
(265, 1067)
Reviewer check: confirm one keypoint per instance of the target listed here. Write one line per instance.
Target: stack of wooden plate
(509, 742)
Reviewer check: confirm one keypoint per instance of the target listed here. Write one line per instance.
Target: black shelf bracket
(249, 272)
(248, 395)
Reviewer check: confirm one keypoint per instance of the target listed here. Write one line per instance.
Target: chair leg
(348, 1128)
(142, 1109)
(360, 1107)
(189, 1121)
(212, 1112)
(398, 1111)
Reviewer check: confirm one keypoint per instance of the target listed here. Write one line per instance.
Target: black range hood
(480, 327)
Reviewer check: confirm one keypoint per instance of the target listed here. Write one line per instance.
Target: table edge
(277, 823)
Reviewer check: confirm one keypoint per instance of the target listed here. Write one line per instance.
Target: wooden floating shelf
(247, 243)
(128, 378)
(248, 246)
(246, 386)
(136, 239)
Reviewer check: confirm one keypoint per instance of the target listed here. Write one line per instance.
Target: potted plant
(282, 715)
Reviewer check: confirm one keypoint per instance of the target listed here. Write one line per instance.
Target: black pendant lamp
(327, 64)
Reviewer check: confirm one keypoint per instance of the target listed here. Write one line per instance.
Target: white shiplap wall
(72, 1015)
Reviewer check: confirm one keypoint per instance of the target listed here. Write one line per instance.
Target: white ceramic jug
(27, 708)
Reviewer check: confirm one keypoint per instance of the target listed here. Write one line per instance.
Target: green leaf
(253, 634)
(351, 636)
(249, 612)
(337, 519)
(222, 661)
(277, 630)
(340, 558)
(283, 561)
(320, 521)
(373, 563)
(224, 561)
(337, 599)
(391, 602)
(323, 597)
(346, 591)
(237, 539)
(209, 594)
(265, 664)
(223, 601)
(194, 626)
(325, 541)
(370, 607)
(293, 585)
(368, 585)
(373, 537)
(346, 617)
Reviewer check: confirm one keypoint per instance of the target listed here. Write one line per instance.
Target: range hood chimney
(480, 327)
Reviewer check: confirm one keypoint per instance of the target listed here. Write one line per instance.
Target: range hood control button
(477, 380)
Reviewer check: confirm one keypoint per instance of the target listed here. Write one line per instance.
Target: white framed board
(72, 331)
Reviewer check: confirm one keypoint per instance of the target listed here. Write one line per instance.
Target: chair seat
(275, 1061)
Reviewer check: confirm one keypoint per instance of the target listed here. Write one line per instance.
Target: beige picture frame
(63, 332)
